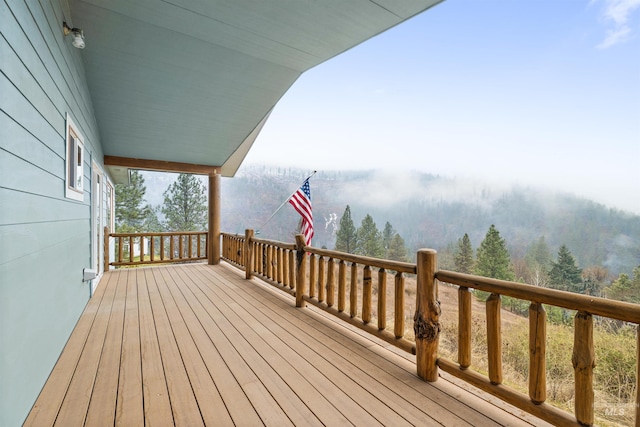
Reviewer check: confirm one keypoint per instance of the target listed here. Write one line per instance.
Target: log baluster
(398, 322)
(537, 353)
(494, 338)
(342, 285)
(331, 282)
(464, 327)
(382, 299)
(366, 294)
(353, 293)
(584, 361)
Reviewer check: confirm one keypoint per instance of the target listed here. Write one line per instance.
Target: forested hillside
(432, 211)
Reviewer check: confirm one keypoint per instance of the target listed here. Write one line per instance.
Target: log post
(494, 338)
(382, 299)
(301, 256)
(214, 218)
(464, 327)
(342, 285)
(248, 253)
(537, 353)
(106, 253)
(366, 294)
(331, 282)
(584, 361)
(426, 321)
(398, 323)
(353, 291)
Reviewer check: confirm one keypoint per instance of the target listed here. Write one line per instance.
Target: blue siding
(45, 238)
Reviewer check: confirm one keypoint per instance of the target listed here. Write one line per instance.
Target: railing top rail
(161, 233)
(398, 266)
(289, 246)
(619, 310)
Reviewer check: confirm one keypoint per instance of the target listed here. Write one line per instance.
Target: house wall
(45, 238)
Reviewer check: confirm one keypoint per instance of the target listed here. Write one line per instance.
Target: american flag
(301, 201)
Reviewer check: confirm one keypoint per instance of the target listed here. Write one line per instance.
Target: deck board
(200, 345)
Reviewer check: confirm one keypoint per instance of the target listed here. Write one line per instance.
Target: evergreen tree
(185, 204)
(463, 257)
(625, 288)
(492, 257)
(397, 250)
(538, 260)
(565, 274)
(151, 221)
(387, 235)
(346, 237)
(130, 211)
(369, 242)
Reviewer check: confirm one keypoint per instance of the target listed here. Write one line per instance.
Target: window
(75, 162)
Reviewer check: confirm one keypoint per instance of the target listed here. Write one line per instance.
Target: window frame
(74, 161)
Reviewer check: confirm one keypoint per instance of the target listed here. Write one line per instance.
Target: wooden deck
(199, 345)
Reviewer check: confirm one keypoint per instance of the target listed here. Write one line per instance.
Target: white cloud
(618, 12)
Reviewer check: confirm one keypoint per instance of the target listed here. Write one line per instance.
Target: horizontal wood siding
(44, 237)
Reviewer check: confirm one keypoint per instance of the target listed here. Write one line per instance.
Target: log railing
(158, 248)
(285, 265)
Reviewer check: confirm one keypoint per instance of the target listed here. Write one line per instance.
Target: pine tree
(185, 204)
(492, 257)
(130, 211)
(625, 288)
(565, 274)
(369, 242)
(346, 236)
(463, 256)
(397, 250)
(387, 236)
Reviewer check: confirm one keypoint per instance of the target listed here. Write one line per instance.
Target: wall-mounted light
(76, 33)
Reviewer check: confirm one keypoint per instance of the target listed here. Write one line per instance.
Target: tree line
(368, 240)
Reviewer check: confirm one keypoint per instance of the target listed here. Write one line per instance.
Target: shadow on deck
(200, 345)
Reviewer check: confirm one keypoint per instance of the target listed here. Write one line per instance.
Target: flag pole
(282, 205)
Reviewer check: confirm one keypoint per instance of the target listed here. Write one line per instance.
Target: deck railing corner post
(248, 253)
(301, 269)
(427, 316)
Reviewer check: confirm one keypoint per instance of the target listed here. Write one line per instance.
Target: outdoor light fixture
(77, 34)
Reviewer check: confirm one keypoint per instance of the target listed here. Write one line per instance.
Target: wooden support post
(382, 299)
(353, 291)
(214, 219)
(342, 285)
(248, 253)
(301, 256)
(464, 327)
(331, 282)
(131, 251)
(312, 276)
(398, 323)
(537, 353)
(584, 360)
(427, 317)
(285, 267)
(366, 294)
(107, 251)
(494, 338)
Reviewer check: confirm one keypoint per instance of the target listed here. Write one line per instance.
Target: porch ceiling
(191, 81)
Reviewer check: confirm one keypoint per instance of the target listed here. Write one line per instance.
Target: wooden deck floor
(198, 345)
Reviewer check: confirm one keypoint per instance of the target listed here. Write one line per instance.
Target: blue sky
(534, 93)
